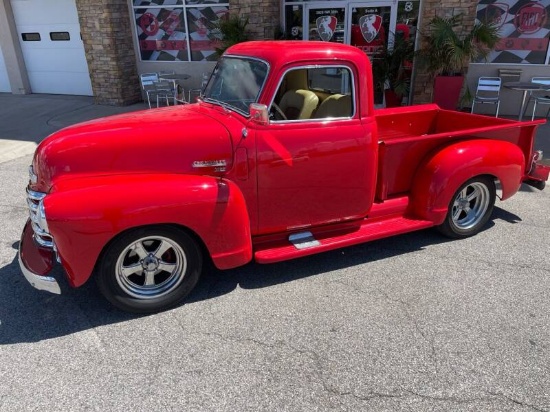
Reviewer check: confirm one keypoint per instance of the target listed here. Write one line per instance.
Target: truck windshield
(236, 83)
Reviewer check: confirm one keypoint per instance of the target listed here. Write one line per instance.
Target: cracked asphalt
(410, 323)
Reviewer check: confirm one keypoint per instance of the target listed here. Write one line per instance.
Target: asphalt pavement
(410, 323)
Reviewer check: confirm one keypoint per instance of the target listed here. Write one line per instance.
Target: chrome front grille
(38, 218)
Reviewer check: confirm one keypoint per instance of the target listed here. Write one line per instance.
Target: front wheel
(149, 269)
(470, 208)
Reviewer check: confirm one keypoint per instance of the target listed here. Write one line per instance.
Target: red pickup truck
(283, 156)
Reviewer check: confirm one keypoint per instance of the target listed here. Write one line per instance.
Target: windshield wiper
(225, 105)
(217, 102)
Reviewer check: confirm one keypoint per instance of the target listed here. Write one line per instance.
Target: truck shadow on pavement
(215, 283)
(29, 315)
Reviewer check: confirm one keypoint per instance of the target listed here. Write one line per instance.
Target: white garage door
(49, 34)
(4, 82)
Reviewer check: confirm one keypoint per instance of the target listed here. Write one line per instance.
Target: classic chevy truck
(283, 156)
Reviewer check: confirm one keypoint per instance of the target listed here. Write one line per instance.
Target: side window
(314, 93)
(334, 87)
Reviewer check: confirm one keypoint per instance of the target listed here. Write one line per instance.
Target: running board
(306, 243)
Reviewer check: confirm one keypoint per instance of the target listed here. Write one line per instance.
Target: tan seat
(336, 105)
(299, 104)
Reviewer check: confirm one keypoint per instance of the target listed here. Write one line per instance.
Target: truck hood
(179, 139)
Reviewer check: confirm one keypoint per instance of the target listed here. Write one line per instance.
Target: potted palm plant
(233, 30)
(392, 69)
(448, 50)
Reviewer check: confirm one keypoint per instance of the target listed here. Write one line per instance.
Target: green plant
(233, 31)
(391, 66)
(448, 49)
(466, 98)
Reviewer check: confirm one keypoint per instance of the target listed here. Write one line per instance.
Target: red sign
(521, 43)
(530, 18)
(169, 45)
(149, 24)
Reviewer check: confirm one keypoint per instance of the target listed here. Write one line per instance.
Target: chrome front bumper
(36, 262)
(46, 283)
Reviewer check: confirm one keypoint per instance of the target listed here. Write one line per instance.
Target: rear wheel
(470, 208)
(149, 269)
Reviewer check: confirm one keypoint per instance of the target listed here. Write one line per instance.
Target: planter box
(447, 91)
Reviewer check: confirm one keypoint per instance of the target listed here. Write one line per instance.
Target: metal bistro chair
(179, 94)
(488, 91)
(154, 88)
(177, 90)
(540, 97)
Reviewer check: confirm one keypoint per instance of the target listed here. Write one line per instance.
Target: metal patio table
(525, 87)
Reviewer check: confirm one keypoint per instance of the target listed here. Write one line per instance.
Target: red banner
(168, 45)
(518, 43)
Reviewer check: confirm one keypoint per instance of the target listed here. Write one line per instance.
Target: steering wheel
(278, 111)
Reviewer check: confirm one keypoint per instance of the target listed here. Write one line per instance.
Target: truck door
(316, 160)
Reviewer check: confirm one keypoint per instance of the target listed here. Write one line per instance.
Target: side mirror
(258, 113)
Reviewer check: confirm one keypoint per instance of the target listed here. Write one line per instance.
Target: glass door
(325, 22)
(372, 25)
(372, 29)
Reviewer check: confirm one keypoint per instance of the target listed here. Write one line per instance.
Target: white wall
(4, 81)
(56, 67)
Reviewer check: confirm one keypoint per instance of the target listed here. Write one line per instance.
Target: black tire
(149, 269)
(470, 208)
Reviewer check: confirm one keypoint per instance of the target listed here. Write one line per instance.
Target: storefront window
(407, 18)
(369, 25)
(169, 30)
(294, 17)
(524, 30)
(204, 35)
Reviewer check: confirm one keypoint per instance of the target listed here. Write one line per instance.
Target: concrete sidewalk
(27, 119)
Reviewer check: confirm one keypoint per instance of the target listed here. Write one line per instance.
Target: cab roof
(281, 52)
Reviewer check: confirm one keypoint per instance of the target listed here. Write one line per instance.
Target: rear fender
(84, 215)
(442, 172)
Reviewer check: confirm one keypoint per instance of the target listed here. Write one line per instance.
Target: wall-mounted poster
(524, 29)
(204, 33)
(178, 33)
(161, 34)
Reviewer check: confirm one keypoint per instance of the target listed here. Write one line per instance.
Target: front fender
(84, 214)
(442, 172)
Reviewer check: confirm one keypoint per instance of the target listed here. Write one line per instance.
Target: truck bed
(408, 134)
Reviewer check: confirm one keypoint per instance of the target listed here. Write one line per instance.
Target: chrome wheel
(470, 205)
(151, 267)
(470, 208)
(148, 269)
